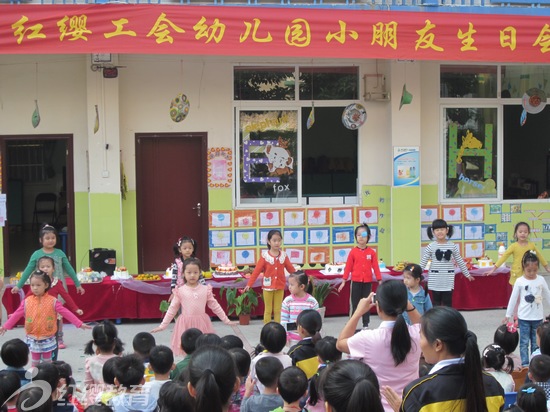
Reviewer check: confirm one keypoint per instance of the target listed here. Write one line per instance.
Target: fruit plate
(137, 277)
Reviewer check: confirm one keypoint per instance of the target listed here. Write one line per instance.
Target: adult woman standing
(392, 350)
(456, 382)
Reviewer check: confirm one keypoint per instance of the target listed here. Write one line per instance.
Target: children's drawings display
(342, 235)
(294, 217)
(296, 255)
(340, 254)
(270, 217)
(319, 236)
(263, 235)
(473, 249)
(220, 257)
(473, 232)
(367, 215)
(452, 213)
(294, 236)
(220, 219)
(245, 238)
(245, 218)
(245, 256)
(429, 213)
(318, 255)
(342, 216)
(474, 213)
(317, 217)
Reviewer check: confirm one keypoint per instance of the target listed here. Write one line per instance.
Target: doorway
(34, 168)
(172, 196)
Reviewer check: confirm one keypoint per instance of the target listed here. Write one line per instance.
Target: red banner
(260, 31)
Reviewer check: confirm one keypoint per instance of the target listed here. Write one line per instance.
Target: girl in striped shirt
(441, 275)
(299, 299)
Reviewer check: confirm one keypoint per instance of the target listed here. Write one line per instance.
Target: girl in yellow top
(517, 250)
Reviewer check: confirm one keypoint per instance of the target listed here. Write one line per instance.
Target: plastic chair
(519, 376)
(510, 399)
(45, 208)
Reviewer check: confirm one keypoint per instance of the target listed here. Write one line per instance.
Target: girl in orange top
(272, 264)
(40, 311)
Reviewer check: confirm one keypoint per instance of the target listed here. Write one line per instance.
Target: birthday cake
(88, 275)
(335, 268)
(121, 273)
(485, 262)
(227, 270)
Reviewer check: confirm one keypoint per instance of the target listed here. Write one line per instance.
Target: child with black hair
(15, 355)
(441, 279)
(303, 354)
(417, 295)
(9, 388)
(108, 375)
(143, 343)
(188, 345)
(161, 361)
(539, 373)
(209, 339)
(492, 360)
(531, 398)
(527, 294)
(105, 338)
(184, 248)
(507, 337)
(129, 373)
(299, 299)
(66, 401)
(361, 265)
(272, 343)
(49, 374)
(327, 353)
(232, 341)
(268, 370)
(292, 386)
(40, 312)
(349, 385)
(174, 397)
(32, 399)
(242, 362)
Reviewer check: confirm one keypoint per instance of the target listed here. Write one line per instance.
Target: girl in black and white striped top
(441, 279)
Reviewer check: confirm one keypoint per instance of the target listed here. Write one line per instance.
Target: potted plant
(321, 291)
(240, 303)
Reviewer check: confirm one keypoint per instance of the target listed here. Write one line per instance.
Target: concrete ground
(483, 323)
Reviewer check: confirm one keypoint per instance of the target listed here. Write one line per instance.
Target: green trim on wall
(429, 195)
(220, 199)
(129, 219)
(406, 224)
(379, 197)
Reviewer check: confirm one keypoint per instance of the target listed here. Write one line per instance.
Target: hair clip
(529, 390)
(533, 252)
(47, 227)
(511, 327)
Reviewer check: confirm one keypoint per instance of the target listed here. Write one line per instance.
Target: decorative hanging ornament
(534, 100)
(354, 116)
(406, 97)
(311, 117)
(35, 115)
(523, 118)
(96, 123)
(179, 108)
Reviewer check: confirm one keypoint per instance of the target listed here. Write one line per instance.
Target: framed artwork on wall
(220, 257)
(473, 231)
(245, 218)
(318, 216)
(368, 215)
(219, 218)
(318, 255)
(245, 257)
(264, 233)
(343, 234)
(245, 237)
(270, 218)
(319, 236)
(297, 255)
(340, 254)
(294, 236)
(342, 216)
(295, 217)
(473, 249)
(429, 213)
(474, 213)
(220, 238)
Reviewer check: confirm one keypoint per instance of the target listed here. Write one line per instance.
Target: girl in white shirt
(527, 294)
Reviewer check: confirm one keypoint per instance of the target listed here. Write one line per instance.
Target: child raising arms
(192, 297)
(272, 264)
(40, 311)
(529, 291)
(517, 250)
(362, 260)
(48, 239)
(441, 279)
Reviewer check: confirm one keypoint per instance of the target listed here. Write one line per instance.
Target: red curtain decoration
(259, 31)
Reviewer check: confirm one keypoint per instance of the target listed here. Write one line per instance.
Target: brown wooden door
(172, 196)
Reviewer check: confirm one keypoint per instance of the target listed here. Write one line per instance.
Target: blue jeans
(527, 333)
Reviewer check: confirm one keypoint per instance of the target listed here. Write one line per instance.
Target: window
(474, 132)
(282, 161)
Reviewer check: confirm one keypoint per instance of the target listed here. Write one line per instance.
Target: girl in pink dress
(192, 297)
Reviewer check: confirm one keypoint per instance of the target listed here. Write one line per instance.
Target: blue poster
(406, 166)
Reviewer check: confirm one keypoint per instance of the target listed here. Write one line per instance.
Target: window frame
(298, 105)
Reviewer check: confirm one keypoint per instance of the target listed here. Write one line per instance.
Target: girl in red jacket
(272, 264)
(361, 263)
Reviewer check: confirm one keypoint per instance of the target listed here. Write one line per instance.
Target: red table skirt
(111, 300)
